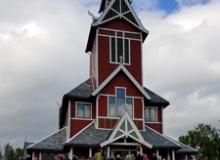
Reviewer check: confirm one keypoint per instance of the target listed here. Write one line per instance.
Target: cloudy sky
(42, 57)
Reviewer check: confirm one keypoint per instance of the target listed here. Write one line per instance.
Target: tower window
(119, 50)
(150, 114)
(117, 104)
(83, 110)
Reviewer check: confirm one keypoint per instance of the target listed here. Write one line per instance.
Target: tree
(18, 153)
(9, 152)
(206, 139)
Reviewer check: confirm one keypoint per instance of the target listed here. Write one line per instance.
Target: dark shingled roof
(84, 90)
(90, 137)
(186, 149)
(156, 99)
(93, 137)
(54, 142)
(157, 140)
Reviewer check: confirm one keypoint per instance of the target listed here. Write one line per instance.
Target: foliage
(12, 154)
(206, 139)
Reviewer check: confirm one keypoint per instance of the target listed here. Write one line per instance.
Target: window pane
(120, 106)
(129, 103)
(112, 107)
(120, 92)
(153, 115)
(113, 55)
(119, 48)
(127, 51)
(147, 114)
(80, 110)
(87, 111)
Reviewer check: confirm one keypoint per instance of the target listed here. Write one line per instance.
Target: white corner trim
(79, 132)
(113, 74)
(46, 137)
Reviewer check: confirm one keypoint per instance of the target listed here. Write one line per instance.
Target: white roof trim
(100, 19)
(121, 67)
(46, 137)
(73, 137)
(127, 118)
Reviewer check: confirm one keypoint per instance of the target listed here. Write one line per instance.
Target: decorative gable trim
(116, 14)
(126, 128)
(113, 74)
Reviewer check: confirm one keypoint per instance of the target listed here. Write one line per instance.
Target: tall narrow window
(120, 101)
(120, 50)
(113, 51)
(112, 107)
(83, 110)
(127, 53)
(151, 114)
(129, 105)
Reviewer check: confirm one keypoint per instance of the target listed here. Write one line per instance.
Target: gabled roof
(109, 14)
(156, 99)
(54, 142)
(113, 74)
(84, 90)
(120, 14)
(94, 137)
(158, 140)
(126, 128)
(89, 137)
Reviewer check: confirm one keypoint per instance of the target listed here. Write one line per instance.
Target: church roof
(90, 137)
(93, 137)
(84, 90)
(156, 99)
(54, 142)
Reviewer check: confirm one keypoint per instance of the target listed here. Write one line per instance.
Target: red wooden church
(112, 110)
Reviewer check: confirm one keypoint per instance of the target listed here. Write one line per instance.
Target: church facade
(112, 109)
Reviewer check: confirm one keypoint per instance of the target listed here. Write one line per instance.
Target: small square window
(150, 114)
(83, 110)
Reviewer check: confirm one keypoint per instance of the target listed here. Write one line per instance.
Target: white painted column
(157, 153)
(108, 152)
(168, 155)
(90, 152)
(70, 155)
(40, 156)
(173, 155)
(33, 155)
(141, 150)
(186, 157)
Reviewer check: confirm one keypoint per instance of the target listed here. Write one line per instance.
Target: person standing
(98, 155)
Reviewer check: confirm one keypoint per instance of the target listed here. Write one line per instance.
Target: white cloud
(182, 62)
(42, 47)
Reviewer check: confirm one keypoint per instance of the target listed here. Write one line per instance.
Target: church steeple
(105, 4)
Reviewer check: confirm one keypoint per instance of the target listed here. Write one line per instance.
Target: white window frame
(116, 48)
(76, 108)
(151, 107)
(115, 117)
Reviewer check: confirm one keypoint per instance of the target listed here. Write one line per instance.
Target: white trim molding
(125, 119)
(121, 67)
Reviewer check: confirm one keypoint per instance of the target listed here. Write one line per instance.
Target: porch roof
(94, 137)
(54, 142)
